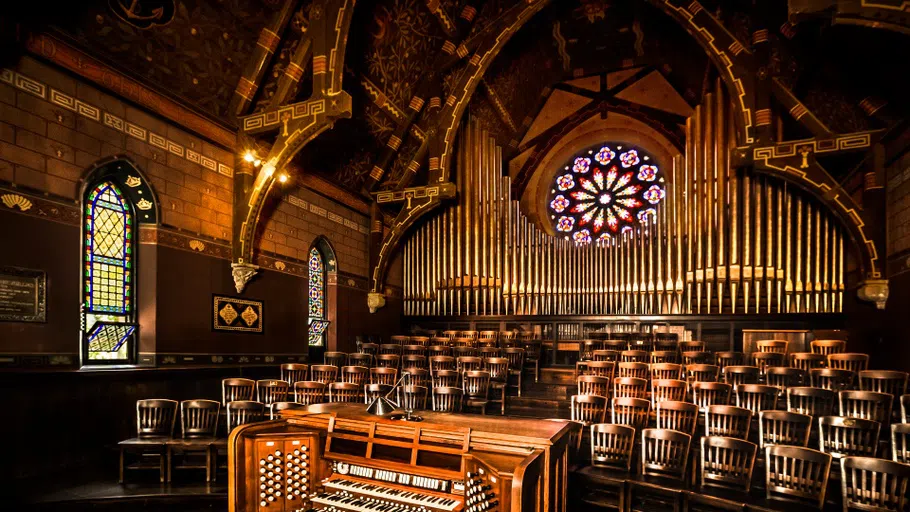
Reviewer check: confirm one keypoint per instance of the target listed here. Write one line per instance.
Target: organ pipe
(722, 241)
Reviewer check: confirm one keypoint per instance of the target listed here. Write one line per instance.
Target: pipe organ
(724, 241)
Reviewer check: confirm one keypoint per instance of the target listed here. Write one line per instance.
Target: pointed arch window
(321, 261)
(108, 249)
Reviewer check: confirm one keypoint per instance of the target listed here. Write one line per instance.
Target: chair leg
(121, 464)
(162, 466)
(208, 464)
(519, 382)
(169, 466)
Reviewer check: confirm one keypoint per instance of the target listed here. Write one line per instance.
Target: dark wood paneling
(34, 243)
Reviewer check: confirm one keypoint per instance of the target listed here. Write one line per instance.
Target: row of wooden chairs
(795, 476)
(587, 346)
(803, 360)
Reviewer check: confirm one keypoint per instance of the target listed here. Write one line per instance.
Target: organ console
(336, 457)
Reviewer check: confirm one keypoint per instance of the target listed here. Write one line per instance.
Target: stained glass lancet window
(317, 298)
(604, 190)
(108, 282)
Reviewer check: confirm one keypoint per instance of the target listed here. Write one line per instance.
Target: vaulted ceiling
(195, 51)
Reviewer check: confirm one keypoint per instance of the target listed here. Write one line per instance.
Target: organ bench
(337, 457)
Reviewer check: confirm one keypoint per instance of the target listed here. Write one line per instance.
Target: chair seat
(146, 441)
(191, 443)
(765, 505)
(603, 475)
(721, 498)
(657, 483)
(497, 385)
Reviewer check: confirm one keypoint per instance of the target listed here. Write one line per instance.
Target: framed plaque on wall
(23, 295)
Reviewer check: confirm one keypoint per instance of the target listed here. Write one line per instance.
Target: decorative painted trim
(41, 207)
(94, 113)
(87, 67)
(29, 360)
(177, 359)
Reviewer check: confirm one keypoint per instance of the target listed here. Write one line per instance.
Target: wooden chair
(198, 430)
(488, 352)
(844, 437)
(468, 363)
(336, 359)
(374, 391)
(849, 361)
(417, 377)
(532, 356)
(516, 357)
(831, 378)
(602, 369)
(593, 385)
(441, 341)
(702, 373)
(268, 391)
(400, 339)
(773, 346)
(665, 371)
(586, 350)
(905, 407)
(725, 464)
(697, 357)
(237, 389)
(155, 420)
(309, 392)
(606, 355)
(900, 443)
(388, 360)
(603, 482)
(450, 334)
(706, 394)
(738, 375)
(387, 376)
(664, 459)
(508, 339)
(476, 389)
(358, 359)
(447, 399)
(344, 392)
(461, 343)
(756, 397)
(464, 352)
(806, 361)
(633, 412)
(726, 358)
(673, 390)
(867, 405)
(634, 356)
(815, 402)
(874, 484)
(325, 373)
(765, 360)
(371, 349)
(636, 370)
(441, 363)
(666, 341)
(884, 381)
(275, 408)
(412, 397)
(389, 349)
(446, 379)
(681, 416)
(828, 347)
(784, 378)
(616, 345)
(422, 341)
(498, 367)
(414, 361)
(664, 356)
(728, 421)
(630, 387)
(439, 350)
(797, 476)
(471, 335)
(294, 372)
(355, 375)
(412, 351)
(588, 409)
(241, 412)
(692, 346)
(783, 427)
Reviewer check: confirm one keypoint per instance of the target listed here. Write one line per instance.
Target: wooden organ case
(336, 457)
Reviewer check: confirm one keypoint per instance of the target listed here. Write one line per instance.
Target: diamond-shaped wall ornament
(228, 314)
(249, 316)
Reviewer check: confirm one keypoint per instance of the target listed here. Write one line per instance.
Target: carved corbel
(242, 273)
(375, 301)
(874, 290)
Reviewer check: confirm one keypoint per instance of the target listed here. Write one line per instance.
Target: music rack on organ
(336, 457)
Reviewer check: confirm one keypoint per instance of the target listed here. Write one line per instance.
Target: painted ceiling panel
(559, 105)
(654, 91)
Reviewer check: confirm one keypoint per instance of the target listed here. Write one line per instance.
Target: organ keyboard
(337, 458)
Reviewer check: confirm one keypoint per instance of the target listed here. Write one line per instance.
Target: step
(557, 375)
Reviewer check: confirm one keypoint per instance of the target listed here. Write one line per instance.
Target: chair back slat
(867, 405)
(386, 376)
(325, 373)
(664, 453)
(269, 391)
(827, 347)
(757, 397)
(355, 375)
(611, 446)
(728, 421)
(784, 427)
(632, 412)
(242, 412)
(447, 399)
(706, 394)
(199, 418)
(294, 372)
(680, 416)
(843, 437)
(875, 484)
(630, 387)
(237, 389)
(900, 443)
(345, 392)
(588, 409)
(593, 385)
(797, 475)
(727, 463)
(815, 402)
(310, 392)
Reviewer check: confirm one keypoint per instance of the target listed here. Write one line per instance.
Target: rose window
(603, 191)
